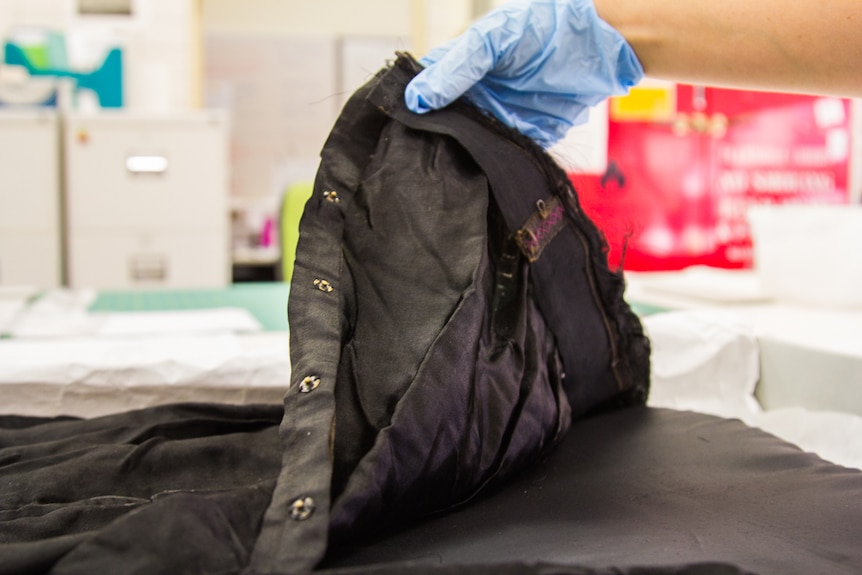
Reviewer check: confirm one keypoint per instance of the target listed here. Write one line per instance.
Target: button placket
(298, 518)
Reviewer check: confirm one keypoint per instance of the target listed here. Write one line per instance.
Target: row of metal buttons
(303, 507)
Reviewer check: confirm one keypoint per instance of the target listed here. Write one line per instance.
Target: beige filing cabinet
(30, 236)
(147, 200)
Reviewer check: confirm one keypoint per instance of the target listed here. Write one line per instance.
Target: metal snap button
(331, 196)
(302, 508)
(309, 384)
(323, 285)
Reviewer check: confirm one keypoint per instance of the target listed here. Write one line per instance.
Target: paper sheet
(9, 312)
(13, 301)
(64, 313)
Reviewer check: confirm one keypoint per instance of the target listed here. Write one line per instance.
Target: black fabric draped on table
(182, 489)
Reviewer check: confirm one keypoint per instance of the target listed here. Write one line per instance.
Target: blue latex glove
(537, 66)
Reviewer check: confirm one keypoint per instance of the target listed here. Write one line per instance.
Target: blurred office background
(148, 143)
(151, 142)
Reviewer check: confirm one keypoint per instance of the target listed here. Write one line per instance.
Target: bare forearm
(812, 46)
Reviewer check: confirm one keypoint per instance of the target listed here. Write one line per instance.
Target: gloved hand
(536, 65)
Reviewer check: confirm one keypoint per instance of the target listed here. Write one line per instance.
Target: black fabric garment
(634, 492)
(170, 489)
(422, 568)
(451, 310)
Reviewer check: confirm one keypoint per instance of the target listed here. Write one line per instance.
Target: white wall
(283, 69)
(436, 21)
(308, 18)
(856, 152)
(420, 24)
(51, 13)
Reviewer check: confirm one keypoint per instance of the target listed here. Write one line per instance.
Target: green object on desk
(645, 309)
(292, 206)
(267, 302)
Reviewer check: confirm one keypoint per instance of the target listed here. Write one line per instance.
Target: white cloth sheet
(92, 376)
(60, 359)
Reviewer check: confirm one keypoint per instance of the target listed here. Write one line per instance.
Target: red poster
(677, 188)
